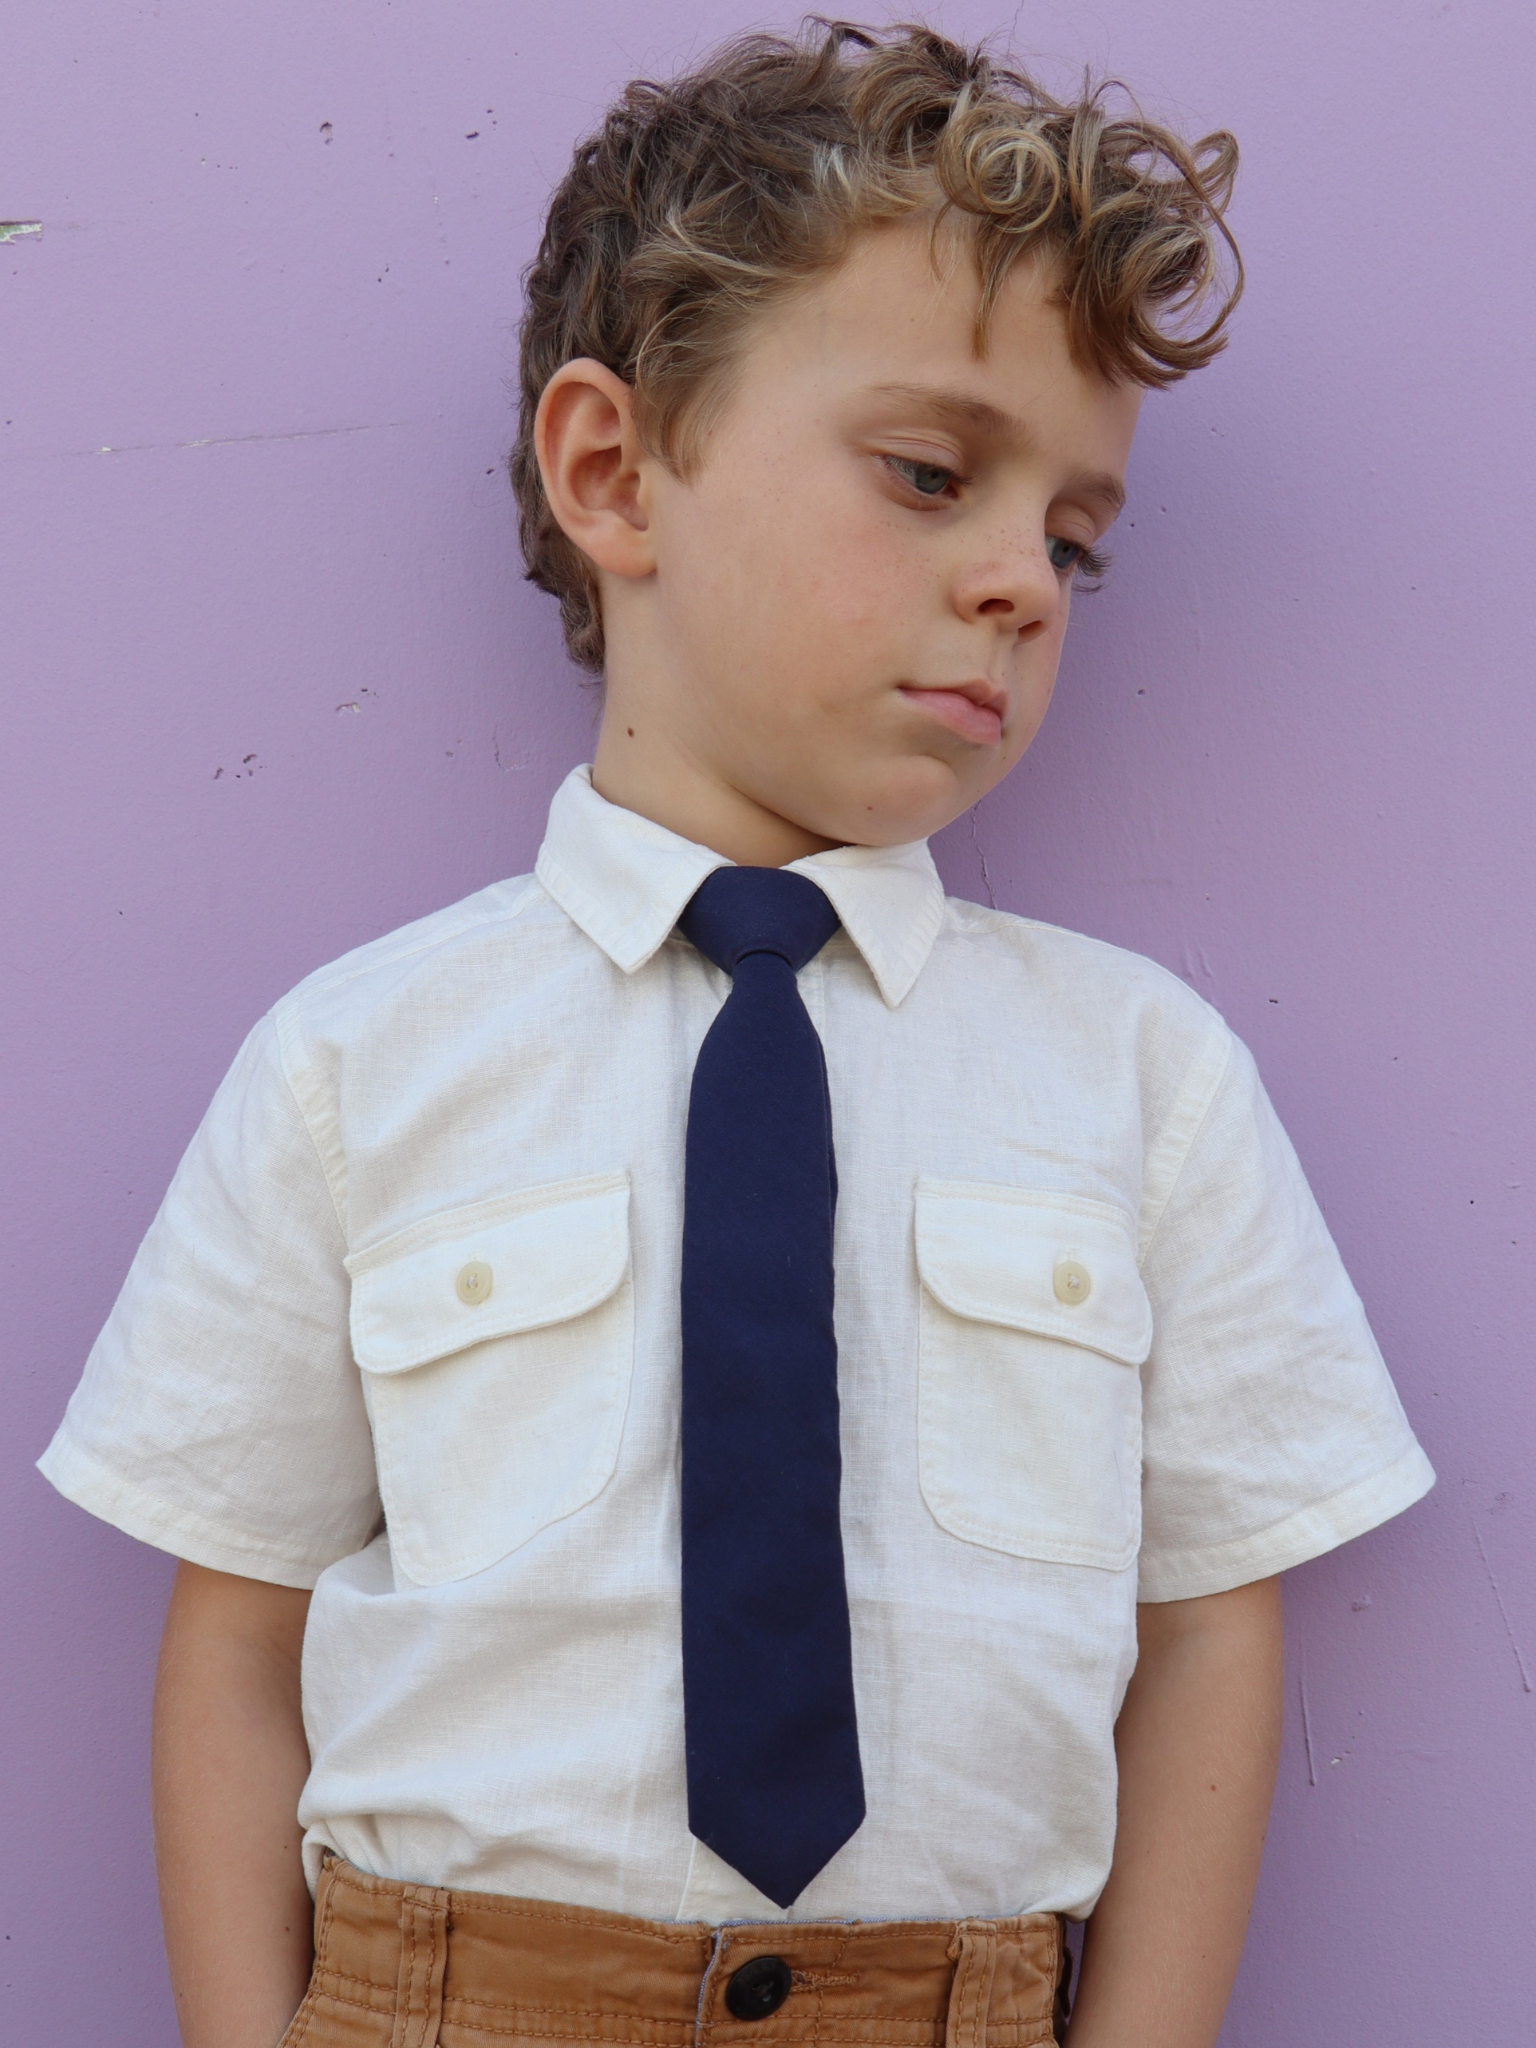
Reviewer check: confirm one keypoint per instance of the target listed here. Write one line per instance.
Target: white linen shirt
(1095, 1345)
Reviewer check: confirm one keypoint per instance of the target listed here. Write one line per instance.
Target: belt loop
(423, 1953)
(974, 1954)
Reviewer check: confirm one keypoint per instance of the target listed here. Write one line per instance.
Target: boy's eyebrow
(959, 409)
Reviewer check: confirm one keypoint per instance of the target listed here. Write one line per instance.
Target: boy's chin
(914, 803)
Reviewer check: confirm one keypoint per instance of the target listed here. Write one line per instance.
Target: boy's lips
(973, 710)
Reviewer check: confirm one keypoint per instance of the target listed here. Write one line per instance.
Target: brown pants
(408, 1966)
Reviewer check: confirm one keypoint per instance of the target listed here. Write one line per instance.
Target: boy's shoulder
(357, 981)
(1118, 1019)
(1076, 968)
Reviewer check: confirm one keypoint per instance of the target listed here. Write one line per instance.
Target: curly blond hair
(700, 200)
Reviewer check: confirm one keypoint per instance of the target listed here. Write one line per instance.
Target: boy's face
(854, 603)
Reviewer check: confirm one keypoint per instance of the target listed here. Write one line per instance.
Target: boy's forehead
(895, 322)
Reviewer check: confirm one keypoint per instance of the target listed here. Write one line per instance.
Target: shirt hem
(84, 1480)
(1309, 1533)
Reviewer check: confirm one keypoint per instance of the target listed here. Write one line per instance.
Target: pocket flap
(542, 1256)
(994, 1255)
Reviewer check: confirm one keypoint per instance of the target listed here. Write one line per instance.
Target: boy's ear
(594, 466)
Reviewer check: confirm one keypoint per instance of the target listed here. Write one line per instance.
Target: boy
(689, 1658)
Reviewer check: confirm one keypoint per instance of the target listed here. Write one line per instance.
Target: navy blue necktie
(774, 1782)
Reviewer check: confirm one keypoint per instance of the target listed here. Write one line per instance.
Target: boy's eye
(1065, 554)
(928, 479)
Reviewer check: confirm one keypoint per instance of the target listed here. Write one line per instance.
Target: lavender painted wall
(272, 686)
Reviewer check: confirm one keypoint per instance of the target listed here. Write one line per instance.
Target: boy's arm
(230, 1760)
(1198, 1741)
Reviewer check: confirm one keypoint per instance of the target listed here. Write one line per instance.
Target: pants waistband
(412, 1966)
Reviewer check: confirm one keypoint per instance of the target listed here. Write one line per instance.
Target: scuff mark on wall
(1525, 1676)
(1306, 1725)
(509, 767)
(18, 230)
(1196, 966)
(304, 434)
(238, 440)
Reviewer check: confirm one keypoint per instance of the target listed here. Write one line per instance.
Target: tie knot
(738, 911)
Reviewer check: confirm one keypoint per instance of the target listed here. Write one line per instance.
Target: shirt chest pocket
(496, 1345)
(1033, 1322)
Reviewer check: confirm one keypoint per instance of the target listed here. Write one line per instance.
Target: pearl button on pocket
(474, 1283)
(1072, 1282)
(1028, 1421)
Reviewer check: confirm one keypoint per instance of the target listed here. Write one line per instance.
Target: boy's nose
(1020, 589)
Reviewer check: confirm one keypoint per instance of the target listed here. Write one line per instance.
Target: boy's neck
(644, 769)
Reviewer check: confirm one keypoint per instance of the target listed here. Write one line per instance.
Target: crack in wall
(981, 855)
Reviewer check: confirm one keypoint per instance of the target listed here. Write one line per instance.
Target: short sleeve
(220, 1415)
(1272, 1431)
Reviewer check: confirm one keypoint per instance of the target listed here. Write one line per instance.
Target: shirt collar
(625, 881)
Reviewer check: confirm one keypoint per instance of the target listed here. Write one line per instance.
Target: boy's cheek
(807, 535)
(810, 598)
(847, 579)
(817, 588)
